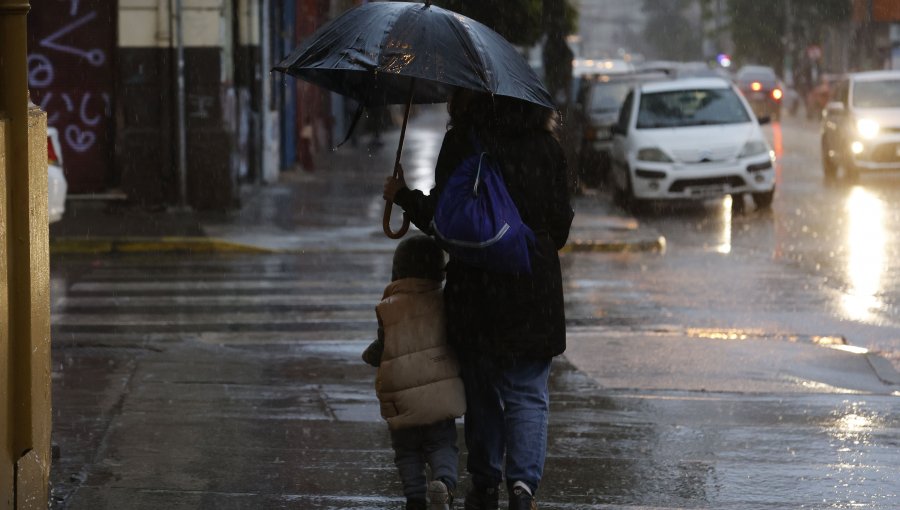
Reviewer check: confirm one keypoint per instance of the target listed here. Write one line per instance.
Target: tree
(757, 27)
(557, 54)
(518, 21)
(761, 32)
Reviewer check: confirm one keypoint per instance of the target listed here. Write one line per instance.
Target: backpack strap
(481, 155)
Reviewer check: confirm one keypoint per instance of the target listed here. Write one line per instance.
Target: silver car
(861, 124)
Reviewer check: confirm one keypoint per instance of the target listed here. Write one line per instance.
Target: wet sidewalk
(336, 207)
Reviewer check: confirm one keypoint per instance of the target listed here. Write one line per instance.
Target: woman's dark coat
(507, 315)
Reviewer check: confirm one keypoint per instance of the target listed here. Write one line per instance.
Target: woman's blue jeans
(507, 409)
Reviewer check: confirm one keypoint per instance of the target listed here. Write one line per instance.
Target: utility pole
(181, 100)
(788, 59)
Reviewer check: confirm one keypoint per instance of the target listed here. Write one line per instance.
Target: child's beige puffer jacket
(418, 381)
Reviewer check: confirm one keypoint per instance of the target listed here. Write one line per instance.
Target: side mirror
(617, 129)
(765, 119)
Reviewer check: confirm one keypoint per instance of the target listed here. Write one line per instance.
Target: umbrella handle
(388, 207)
(386, 223)
(398, 174)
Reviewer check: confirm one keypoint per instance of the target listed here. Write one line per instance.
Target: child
(418, 380)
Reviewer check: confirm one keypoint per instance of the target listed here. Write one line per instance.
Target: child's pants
(433, 444)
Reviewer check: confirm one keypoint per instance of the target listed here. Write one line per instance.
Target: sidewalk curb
(590, 245)
(150, 244)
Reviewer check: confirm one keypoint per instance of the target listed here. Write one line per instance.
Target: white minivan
(56, 178)
(690, 139)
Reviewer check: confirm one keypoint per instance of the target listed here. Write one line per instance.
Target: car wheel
(763, 200)
(624, 198)
(828, 166)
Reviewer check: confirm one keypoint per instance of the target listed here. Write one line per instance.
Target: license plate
(757, 96)
(707, 191)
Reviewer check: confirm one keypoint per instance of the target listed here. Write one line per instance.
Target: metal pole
(182, 121)
(265, 117)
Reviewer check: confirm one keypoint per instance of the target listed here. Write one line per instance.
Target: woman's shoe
(482, 498)
(521, 499)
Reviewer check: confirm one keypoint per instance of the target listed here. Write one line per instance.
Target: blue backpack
(476, 220)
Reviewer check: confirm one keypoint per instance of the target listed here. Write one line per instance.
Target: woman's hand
(391, 186)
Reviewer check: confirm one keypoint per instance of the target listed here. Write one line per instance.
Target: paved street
(212, 380)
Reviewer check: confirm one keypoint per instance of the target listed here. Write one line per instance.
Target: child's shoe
(439, 497)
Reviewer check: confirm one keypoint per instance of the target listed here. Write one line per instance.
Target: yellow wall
(24, 277)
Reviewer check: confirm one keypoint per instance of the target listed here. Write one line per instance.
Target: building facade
(107, 74)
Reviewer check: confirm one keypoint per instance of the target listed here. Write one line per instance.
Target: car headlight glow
(867, 128)
(653, 154)
(753, 148)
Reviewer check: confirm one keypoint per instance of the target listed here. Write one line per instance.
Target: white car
(690, 139)
(861, 124)
(56, 179)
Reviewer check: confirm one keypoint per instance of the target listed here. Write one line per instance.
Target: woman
(506, 327)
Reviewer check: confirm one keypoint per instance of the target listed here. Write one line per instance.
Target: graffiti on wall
(70, 78)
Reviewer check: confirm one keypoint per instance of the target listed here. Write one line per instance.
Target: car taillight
(776, 94)
(51, 152)
(756, 86)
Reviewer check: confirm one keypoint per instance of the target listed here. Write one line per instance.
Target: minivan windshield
(876, 94)
(699, 107)
(608, 97)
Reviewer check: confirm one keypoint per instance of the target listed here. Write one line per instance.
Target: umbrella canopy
(372, 52)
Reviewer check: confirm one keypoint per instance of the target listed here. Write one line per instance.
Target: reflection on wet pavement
(866, 240)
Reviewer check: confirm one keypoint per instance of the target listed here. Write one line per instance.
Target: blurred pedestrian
(418, 380)
(506, 327)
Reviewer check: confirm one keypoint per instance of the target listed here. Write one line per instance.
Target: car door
(619, 151)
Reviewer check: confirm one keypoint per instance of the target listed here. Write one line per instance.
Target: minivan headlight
(653, 154)
(867, 128)
(753, 148)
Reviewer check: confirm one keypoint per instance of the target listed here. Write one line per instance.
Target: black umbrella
(397, 52)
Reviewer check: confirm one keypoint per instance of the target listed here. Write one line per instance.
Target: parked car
(597, 105)
(762, 88)
(56, 178)
(690, 139)
(584, 69)
(861, 124)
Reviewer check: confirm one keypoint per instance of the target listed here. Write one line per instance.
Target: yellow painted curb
(589, 245)
(151, 244)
